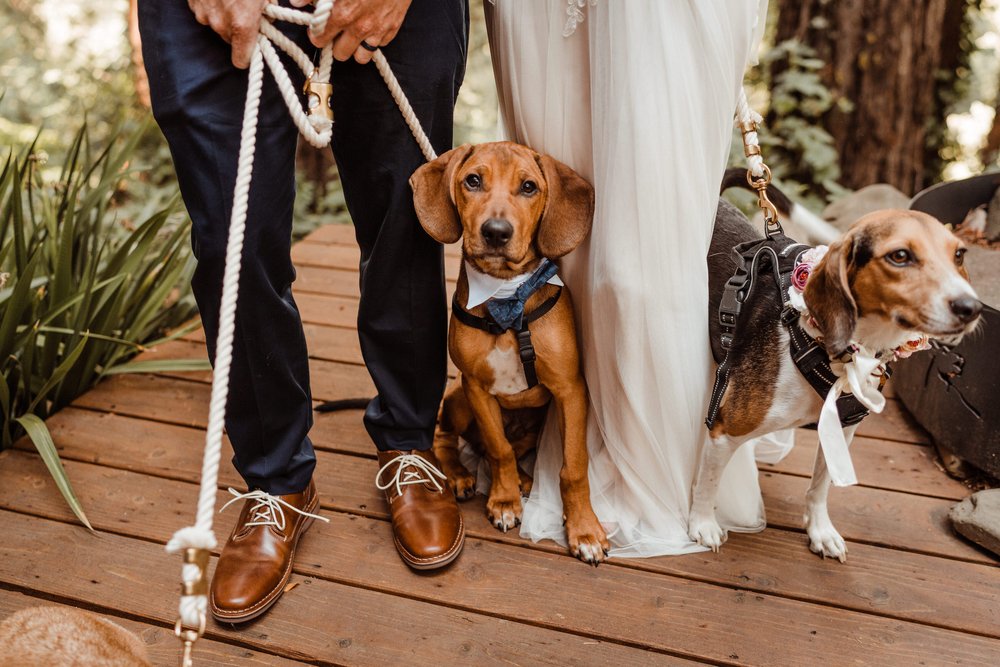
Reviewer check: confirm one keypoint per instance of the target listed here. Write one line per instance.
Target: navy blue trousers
(198, 101)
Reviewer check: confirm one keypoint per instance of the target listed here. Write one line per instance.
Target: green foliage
(83, 289)
(797, 148)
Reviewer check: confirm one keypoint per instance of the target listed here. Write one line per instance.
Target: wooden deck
(911, 593)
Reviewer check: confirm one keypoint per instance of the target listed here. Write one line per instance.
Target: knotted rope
(197, 541)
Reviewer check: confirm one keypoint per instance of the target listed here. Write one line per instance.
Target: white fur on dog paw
(707, 532)
(504, 515)
(824, 538)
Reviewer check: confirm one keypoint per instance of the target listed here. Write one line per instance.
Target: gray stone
(983, 265)
(992, 231)
(978, 518)
(845, 211)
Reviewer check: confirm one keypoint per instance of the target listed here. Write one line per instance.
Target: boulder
(978, 518)
(845, 211)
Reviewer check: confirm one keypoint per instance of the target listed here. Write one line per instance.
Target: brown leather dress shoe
(257, 560)
(426, 522)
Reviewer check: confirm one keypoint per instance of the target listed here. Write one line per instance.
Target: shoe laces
(267, 510)
(410, 469)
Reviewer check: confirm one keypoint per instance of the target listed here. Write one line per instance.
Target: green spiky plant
(82, 291)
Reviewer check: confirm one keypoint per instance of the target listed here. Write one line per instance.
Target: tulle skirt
(639, 99)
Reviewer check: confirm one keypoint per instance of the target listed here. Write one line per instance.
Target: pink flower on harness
(911, 346)
(800, 275)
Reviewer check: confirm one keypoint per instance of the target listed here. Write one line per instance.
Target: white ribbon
(857, 376)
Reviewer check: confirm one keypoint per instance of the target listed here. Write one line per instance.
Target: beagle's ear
(569, 209)
(434, 195)
(828, 295)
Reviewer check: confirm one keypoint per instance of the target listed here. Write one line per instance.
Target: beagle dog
(894, 277)
(515, 211)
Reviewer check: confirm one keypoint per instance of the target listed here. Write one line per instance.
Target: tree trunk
(882, 56)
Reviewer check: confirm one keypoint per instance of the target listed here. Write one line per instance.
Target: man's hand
(236, 21)
(375, 22)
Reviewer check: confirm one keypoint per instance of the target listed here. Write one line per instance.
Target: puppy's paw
(525, 483)
(504, 514)
(706, 531)
(824, 538)
(587, 539)
(462, 484)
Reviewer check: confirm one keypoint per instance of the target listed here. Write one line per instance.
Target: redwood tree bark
(884, 56)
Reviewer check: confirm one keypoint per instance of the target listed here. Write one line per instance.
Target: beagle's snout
(966, 308)
(496, 232)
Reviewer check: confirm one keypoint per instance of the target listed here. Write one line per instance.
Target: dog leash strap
(525, 348)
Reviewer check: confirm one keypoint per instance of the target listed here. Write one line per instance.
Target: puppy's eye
(529, 188)
(901, 257)
(960, 256)
(473, 182)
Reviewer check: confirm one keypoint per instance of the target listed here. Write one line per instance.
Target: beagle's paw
(504, 514)
(462, 484)
(587, 539)
(824, 538)
(707, 532)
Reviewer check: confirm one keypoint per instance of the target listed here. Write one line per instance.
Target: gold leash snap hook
(199, 558)
(318, 96)
(189, 637)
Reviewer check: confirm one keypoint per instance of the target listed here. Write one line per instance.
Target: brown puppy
(513, 208)
(895, 275)
(59, 636)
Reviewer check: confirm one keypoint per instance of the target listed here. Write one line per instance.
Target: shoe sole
(440, 561)
(276, 592)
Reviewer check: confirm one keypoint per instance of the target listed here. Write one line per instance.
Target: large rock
(978, 518)
(845, 211)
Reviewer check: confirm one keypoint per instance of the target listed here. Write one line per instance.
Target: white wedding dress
(638, 96)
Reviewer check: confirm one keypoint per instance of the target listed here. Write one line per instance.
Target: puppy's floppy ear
(828, 295)
(569, 209)
(434, 195)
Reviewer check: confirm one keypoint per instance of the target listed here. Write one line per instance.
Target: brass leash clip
(318, 96)
(199, 558)
(771, 224)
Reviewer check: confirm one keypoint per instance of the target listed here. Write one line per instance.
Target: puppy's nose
(497, 232)
(966, 308)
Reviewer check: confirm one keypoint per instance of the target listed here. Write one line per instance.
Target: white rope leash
(318, 130)
(745, 116)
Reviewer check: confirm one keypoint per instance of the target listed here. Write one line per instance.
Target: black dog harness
(778, 253)
(518, 324)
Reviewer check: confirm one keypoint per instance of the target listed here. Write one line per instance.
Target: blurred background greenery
(853, 92)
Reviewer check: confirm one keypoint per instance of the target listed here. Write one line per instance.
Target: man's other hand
(375, 22)
(236, 21)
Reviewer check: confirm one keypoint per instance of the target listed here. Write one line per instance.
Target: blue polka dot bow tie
(509, 313)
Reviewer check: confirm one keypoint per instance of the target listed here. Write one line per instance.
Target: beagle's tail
(816, 230)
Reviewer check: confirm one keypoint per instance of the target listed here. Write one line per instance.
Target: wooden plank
(329, 380)
(492, 577)
(895, 423)
(334, 282)
(186, 404)
(161, 643)
(344, 235)
(864, 514)
(318, 620)
(873, 516)
(325, 343)
(321, 280)
(346, 257)
(891, 583)
(880, 464)
(895, 583)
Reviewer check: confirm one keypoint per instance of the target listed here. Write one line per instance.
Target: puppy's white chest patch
(508, 373)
